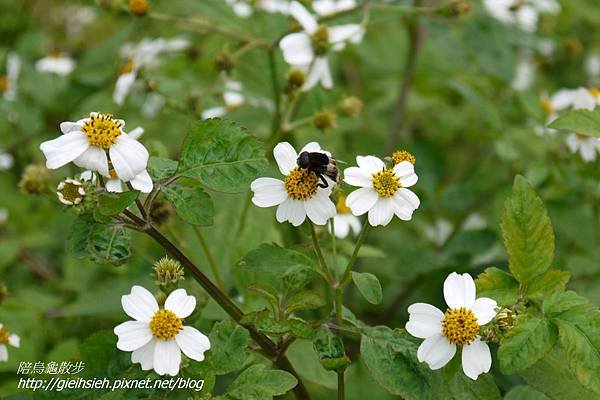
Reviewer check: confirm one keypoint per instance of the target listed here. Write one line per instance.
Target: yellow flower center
(594, 92)
(102, 130)
(301, 184)
(3, 83)
(546, 106)
(127, 68)
(460, 326)
(403, 155)
(4, 334)
(341, 206)
(320, 40)
(165, 325)
(386, 183)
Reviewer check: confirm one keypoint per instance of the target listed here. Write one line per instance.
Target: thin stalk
(340, 384)
(333, 244)
(211, 259)
(276, 91)
(361, 238)
(317, 248)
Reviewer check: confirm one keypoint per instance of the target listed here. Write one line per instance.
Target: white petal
(94, 158)
(123, 87)
(297, 49)
(214, 112)
(341, 225)
(370, 164)
(436, 351)
(114, 185)
(345, 33)
(319, 73)
(314, 147)
(362, 200)
(167, 357)
(406, 171)
(140, 304)
(136, 133)
(291, 210)
(301, 14)
(180, 303)
(286, 157)
(484, 310)
(356, 176)
(193, 343)
(424, 321)
(320, 208)
(405, 203)
(459, 290)
(142, 182)
(14, 340)
(382, 212)
(68, 127)
(268, 192)
(129, 157)
(145, 355)
(476, 359)
(64, 149)
(355, 223)
(132, 335)
(3, 353)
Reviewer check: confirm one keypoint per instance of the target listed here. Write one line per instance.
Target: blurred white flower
(152, 105)
(300, 194)
(77, 17)
(59, 64)
(307, 50)
(458, 326)
(586, 146)
(7, 338)
(344, 221)
(232, 96)
(474, 222)
(383, 192)
(439, 232)
(244, 8)
(6, 160)
(522, 13)
(156, 337)
(3, 216)
(86, 143)
(328, 7)
(592, 66)
(240, 8)
(524, 74)
(8, 83)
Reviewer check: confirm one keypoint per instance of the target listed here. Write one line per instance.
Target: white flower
(382, 191)
(243, 9)
(157, 336)
(232, 96)
(152, 105)
(592, 66)
(439, 232)
(58, 64)
(587, 146)
(344, 221)
(7, 338)
(307, 50)
(9, 82)
(459, 326)
(240, 8)
(86, 142)
(524, 74)
(6, 160)
(524, 14)
(123, 86)
(70, 192)
(3, 216)
(300, 194)
(328, 7)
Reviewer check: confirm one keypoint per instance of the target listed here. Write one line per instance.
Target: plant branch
(361, 238)
(317, 248)
(211, 259)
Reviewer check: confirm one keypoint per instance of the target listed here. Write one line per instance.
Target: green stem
(211, 259)
(363, 234)
(333, 244)
(317, 248)
(341, 386)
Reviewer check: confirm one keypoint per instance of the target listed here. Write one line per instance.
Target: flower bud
(459, 8)
(168, 272)
(138, 7)
(505, 319)
(295, 80)
(320, 40)
(325, 120)
(70, 192)
(350, 107)
(224, 61)
(35, 179)
(160, 211)
(403, 155)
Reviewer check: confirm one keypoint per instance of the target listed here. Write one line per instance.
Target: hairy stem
(209, 255)
(361, 238)
(317, 248)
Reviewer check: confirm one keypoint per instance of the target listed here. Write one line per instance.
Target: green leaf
(300, 328)
(267, 292)
(330, 349)
(228, 347)
(77, 243)
(523, 392)
(368, 285)
(304, 300)
(528, 341)
(222, 156)
(498, 285)
(548, 283)
(296, 277)
(161, 167)
(527, 232)
(192, 204)
(563, 301)
(584, 122)
(464, 388)
(259, 383)
(109, 244)
(303, 357)
(114, 203)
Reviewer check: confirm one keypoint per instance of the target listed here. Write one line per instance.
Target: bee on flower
(157, 337)
(459, 326)
(91, 142)
(7, 338)
(59, 64)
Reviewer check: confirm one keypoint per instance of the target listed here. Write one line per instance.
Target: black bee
(320, 164)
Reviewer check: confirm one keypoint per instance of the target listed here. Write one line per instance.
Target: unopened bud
(350, 107)
(459, 7)
(168, 272)
(325, 120)
(403, 155)
(505, 318)
(295, 80)
(138, 7)
(70, 192)
(573, 46)
(224, 61)
(35, 179)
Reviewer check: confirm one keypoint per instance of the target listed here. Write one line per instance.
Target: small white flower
(459, 326)
(59, 64)
(344, 221)
(274, 6)
(587, 146)
(9, 82)
(70, 192)
(3, 216)
(328, 7)
(592, 66)
(86, 143)
(524, 14)
(307, 50)
(240, 8)
(152, 105)
(6, 160)
(157, 336)
(382, 191)
(123, 86)
(524, 74)
(7, 338)
(300, 194)
(439, 231)
(232, 96)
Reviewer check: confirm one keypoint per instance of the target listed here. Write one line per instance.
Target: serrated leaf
(77, 243)
(330, 349)
(296, 277)
(114, 203)
(228, 347)
(563, 301)
(192, 204)
(368, 285)
(300, 328)
(523, 392)
(221, 155)
(264, 322)
(528, 341)
(109, 244)
(161, 167)
(304, 300)
(498, 285)
(267, 292)
(584, 122)
(259, 383)
(527, 232)
(548, 283)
